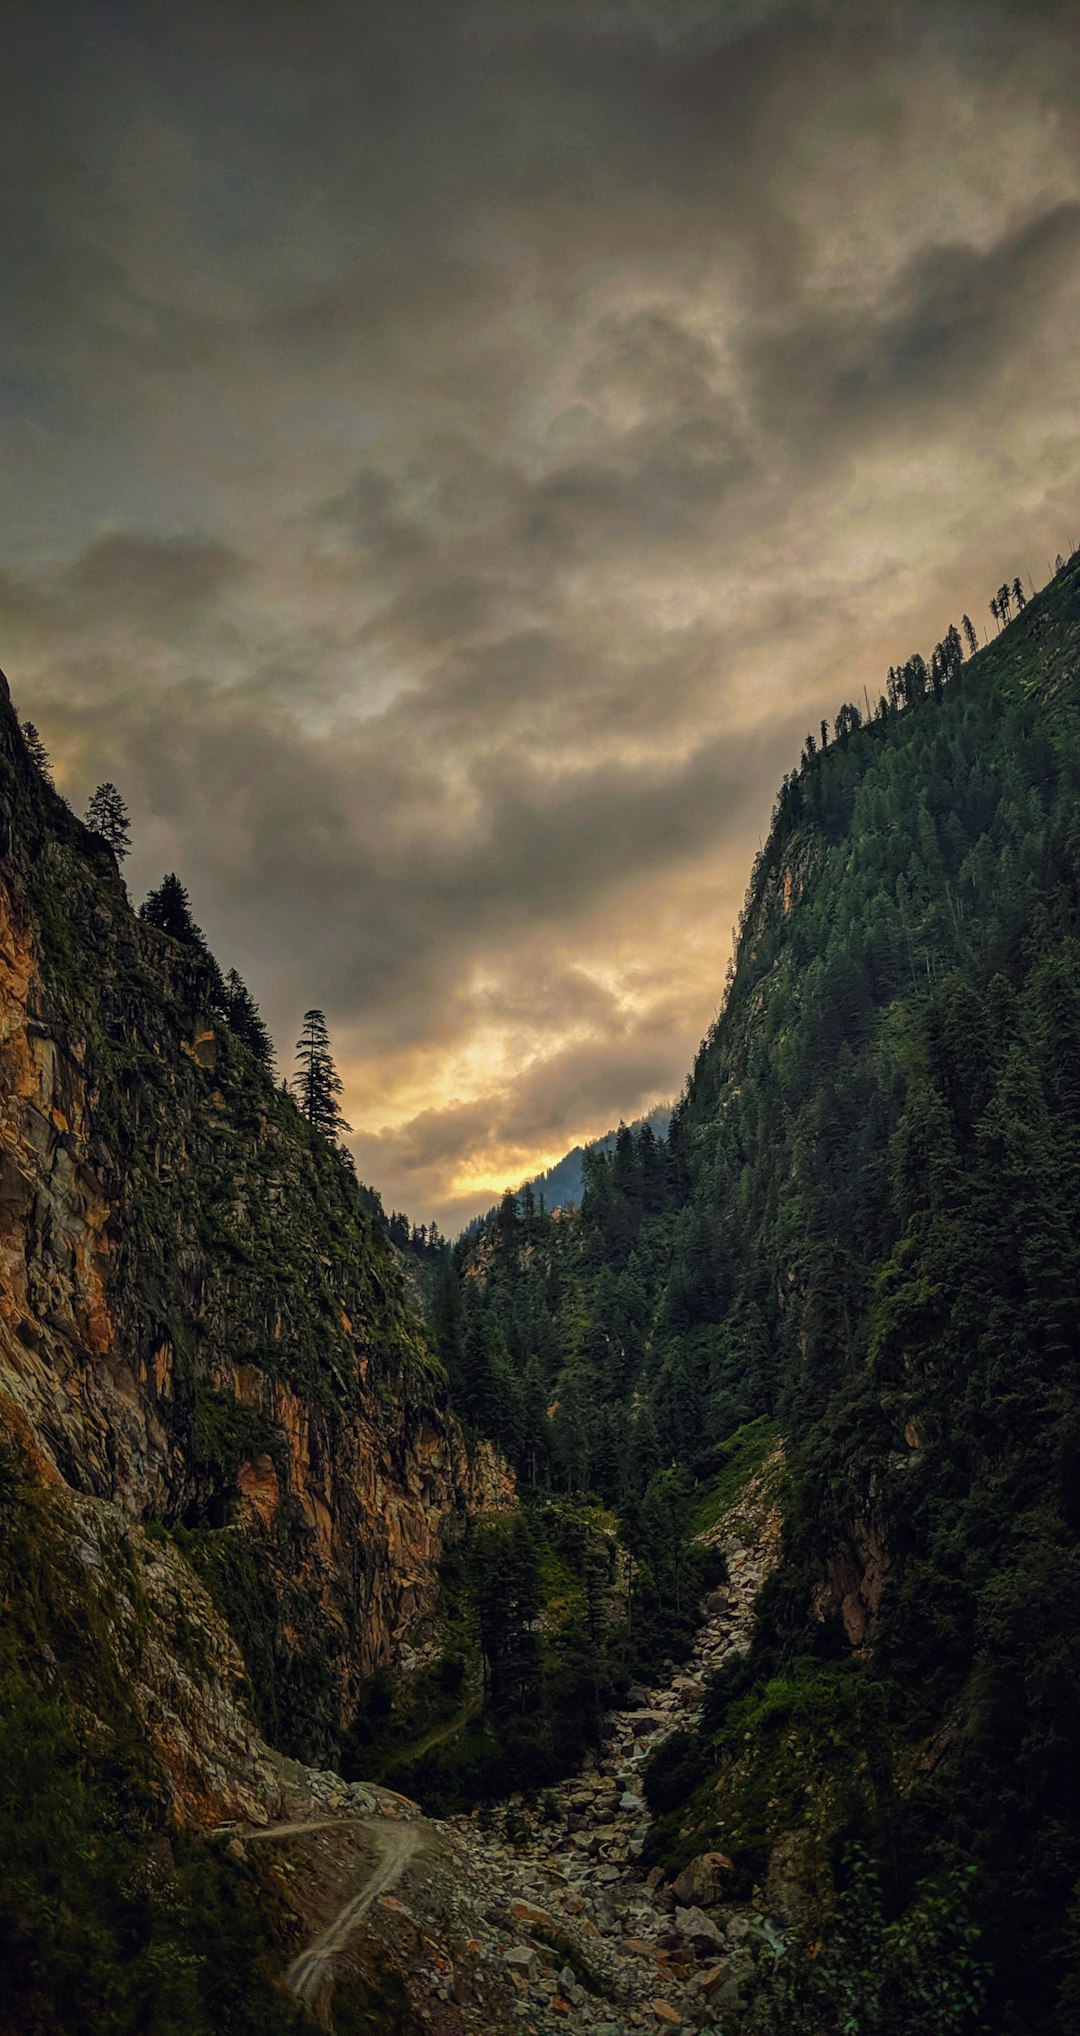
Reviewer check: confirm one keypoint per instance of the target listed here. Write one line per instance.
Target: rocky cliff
(201, 1322)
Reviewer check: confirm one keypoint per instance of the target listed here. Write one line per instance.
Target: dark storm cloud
(364, 857)
(449, 454)
(950, 319)
(124, 573)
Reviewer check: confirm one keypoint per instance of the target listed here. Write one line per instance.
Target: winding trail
(398, 1844)
(297, 1829)
(530, 1920)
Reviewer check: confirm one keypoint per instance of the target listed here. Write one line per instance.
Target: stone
(699, 1930)
(702, 1881)
(667, 2016)
(532, 1918)
(789, 1881)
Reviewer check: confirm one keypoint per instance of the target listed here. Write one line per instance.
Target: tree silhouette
(108, 816)
(37, 752)
(316, 1083)
(169, 909)
(245, 1019)
(969, 631)
(1019, 595)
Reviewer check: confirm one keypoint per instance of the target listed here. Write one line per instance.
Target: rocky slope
(201, 1323)
(537, 1918)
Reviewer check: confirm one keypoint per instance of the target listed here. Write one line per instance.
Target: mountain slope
(199, 1320)
(228, 1470)
(864, 1227)
(565, 1182)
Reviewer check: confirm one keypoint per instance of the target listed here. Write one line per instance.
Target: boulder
(698, 1930)
(522, 1958)
(703, 1881)
(532, 1918)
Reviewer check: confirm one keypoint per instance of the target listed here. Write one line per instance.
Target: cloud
(136, 575)
(449, 456)
(949, 320)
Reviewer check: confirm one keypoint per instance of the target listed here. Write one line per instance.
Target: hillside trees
(864, 1226)
(37, 752)
(316, 1083)
(108, 816)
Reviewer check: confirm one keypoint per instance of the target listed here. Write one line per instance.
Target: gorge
(345, 1608)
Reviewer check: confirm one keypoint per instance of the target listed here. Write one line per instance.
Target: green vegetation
(745, 1454)
(862, 1228)
(107, 1926)
(919, 1975)
(540, 1635)
(226, 1434)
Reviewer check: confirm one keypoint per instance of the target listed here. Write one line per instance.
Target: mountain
(228, 1470)
(562, 1184)
(801, 1379)
(861, 1236)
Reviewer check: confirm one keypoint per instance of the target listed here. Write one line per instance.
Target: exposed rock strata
(200, 1321)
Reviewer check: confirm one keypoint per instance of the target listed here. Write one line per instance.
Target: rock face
(201, 1321)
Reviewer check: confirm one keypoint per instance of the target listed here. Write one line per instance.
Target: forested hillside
(564, 1183)
(862, 1228)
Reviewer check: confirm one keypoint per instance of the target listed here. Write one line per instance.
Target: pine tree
(1019, 595)
(108, 816)
(37, 752)
(246, 1020)
(968, 628)
(316, 1083)
(169, 909)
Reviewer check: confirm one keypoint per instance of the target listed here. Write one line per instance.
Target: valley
(294, 1540)
(540, 1916)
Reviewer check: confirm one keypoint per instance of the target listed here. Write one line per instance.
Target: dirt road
(397, 1844)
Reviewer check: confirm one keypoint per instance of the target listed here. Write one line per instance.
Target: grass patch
(740, 1458)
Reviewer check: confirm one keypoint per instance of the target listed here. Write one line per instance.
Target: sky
(452, 450)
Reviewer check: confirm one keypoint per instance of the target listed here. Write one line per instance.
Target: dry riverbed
(509, 1920)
